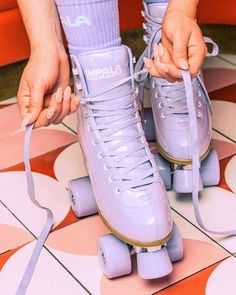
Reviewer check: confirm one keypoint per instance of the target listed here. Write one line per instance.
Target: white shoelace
(121, 115)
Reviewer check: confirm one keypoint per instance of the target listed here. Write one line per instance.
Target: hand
(44, 96)
(182, 39)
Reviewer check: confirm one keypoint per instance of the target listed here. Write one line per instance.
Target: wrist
(48, 48)
(188, 7)
(48, 35)
(47, 42)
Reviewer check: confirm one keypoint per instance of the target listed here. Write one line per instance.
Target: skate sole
(135, 242)
(180, 162)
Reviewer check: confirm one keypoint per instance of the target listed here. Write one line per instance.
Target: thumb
(180, 50)
(35, 103)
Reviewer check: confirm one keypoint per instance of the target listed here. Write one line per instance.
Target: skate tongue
(104, 67)
(157, 9)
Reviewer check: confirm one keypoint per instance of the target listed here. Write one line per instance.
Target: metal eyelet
(94, 142)
(89, 128)
(156, 95)
(160, 105)
(198, 114)
(100, 155)
(199, 104)
(117, 190)
(199, 93)
(154, 85)
(163, 115)
(111, 179)
(106, 167)
(85, 113)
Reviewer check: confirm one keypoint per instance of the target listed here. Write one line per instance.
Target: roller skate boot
(124, 185)
(179, 120)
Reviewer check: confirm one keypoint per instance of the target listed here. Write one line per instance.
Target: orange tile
(194, 285)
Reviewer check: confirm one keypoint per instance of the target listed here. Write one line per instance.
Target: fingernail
(161, 50)
(183, 63)
(26, 120)
(50, 112)
(77, 100)
(59, 95)
(163, 67)
(155, 50)
(67, 93)
(147, 62)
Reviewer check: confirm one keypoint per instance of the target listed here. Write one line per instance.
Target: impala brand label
(79, 21)
(103, 73)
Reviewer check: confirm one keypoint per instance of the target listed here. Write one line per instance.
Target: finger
(75, 102)
(31, 105)
(197, 53)
(50, 113)
(157, 69)
(151, 68)
(180, 50)
(164, 54)
(23, 97)
(162, 69)
(165, 58)
(66, 104)
(167, 44)
(43, 120)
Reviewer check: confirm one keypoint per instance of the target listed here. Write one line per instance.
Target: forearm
(188, 7)
(42, 22)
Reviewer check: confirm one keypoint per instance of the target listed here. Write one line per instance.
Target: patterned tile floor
(68, 262)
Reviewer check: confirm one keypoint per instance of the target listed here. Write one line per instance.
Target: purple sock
(90, 24)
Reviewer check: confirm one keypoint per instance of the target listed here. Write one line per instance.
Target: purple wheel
(165, 170)
(114, 256)
(182, 181)
(82, 198)
(152, 265)
(210, 169)
(175, 246)
(148, 124)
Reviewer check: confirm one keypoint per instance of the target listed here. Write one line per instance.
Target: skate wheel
(210, 169)
(165, 170)
(152, 265)
(113, 256)
(82, 198)
(182, 181)
(148, 124)
(175, 246)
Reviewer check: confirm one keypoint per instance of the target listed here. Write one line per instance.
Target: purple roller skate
(181, 119)
(171, 117)
(124, 185)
